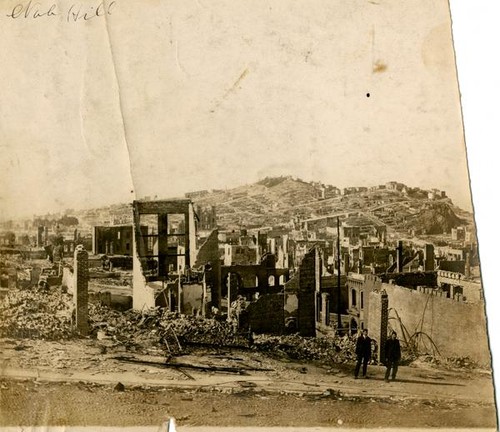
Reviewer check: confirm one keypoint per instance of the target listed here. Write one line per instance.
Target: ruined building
(207, 218)
(112, 240)
(312, 297)
(164, 246)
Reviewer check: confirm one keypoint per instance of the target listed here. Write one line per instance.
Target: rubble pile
(338, 349)
(143, 329)
(124, 327)
(35, 315)
(118, 282)
(204, 330)
(12, 261)
(448, 362)
(461, 362)
(153, 325)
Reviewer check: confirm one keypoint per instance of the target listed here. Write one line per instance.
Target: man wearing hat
(363, 353)
(392, 356)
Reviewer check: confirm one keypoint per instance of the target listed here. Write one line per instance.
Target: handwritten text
(33, 10)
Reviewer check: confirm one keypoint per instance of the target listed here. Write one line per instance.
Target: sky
(165, 97)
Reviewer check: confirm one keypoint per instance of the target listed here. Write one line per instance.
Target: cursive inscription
(33, 10)
(86, 13)
(76, 12)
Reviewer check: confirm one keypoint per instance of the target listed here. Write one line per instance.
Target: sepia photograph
(243, 215)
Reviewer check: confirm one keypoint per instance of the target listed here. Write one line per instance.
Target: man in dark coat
(363, 353)
(392, 356)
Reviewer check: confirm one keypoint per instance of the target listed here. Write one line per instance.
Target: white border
(476, 33)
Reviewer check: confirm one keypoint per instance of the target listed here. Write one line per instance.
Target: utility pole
(179, 292)
(204, 294)
(229, 297)
(339, 297)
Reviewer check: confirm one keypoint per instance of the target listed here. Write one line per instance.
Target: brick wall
(452, 266)
(412, 279)
(329, 285)
(267, 314)
(253, 278)
(306, 313)
(209, 253)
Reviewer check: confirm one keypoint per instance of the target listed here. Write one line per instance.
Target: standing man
(363, 353)
(392, 356)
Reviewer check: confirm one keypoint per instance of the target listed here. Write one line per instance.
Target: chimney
(39, 237)
(467, 264)
(429, 257)
(346, 263)
(399, 258)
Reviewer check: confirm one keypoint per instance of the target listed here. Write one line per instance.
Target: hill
(284, 201)
(279, 200)
(435, 218)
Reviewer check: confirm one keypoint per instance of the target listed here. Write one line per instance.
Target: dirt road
(89, 404)
(75, 383)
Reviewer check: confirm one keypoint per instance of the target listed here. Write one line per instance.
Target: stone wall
(456, 329)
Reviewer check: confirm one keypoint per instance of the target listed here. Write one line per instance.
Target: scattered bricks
(36, 315)
(150, 328)
(338, 349)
